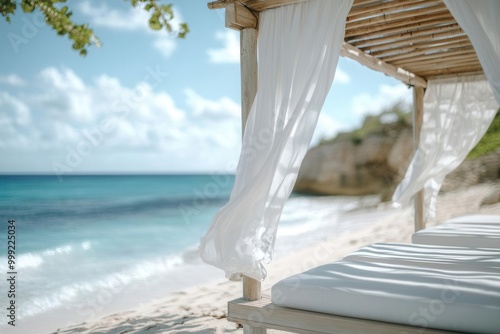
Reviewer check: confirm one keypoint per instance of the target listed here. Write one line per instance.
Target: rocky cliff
(345, 167)
(374, 161)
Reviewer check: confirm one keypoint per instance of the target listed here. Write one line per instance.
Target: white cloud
(64, 95)
(103, 16)
(106, 117)
(341, 77)
(12, 80)
(14, 117)
(134, 19)
(166, 46)
(230, 51)
(219, 120)
(326, 128)
(14, 110)
(371, 104)
(214, 109)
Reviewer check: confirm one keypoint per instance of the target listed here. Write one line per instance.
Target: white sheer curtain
(298, 50)
(480, 20)
(455, 116)
(457, 113)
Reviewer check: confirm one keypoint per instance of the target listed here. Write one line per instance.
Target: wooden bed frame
(261, 314)
(391, 37)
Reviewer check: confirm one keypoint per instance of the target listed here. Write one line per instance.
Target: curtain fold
(457, 113)
(479, 20)
(298, 50)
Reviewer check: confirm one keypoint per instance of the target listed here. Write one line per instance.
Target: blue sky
(144, 101)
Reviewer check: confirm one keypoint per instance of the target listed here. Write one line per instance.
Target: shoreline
(203, 308)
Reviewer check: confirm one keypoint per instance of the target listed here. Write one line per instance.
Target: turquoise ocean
(90, 245)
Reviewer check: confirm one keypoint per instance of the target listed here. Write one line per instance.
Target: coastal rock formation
(348, 167)
(377, 163)
(493, 197)
(483, 169)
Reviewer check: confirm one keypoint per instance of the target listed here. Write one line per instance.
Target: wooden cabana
(411, 40)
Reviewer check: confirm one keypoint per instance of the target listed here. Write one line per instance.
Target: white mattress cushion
(455, 300)
(490, 219)
(483, 235)
(432, 256)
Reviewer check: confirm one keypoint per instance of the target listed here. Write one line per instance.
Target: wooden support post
(251, 292)
(249, 67)
(418, 114)
(251, 289)
(248, 58)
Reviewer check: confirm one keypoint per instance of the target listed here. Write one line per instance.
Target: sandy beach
(202, 309)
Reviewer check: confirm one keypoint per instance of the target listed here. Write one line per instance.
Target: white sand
(203, 309)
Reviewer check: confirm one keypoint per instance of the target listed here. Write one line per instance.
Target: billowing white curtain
(480, 20)
(298, 51)
(457, 113)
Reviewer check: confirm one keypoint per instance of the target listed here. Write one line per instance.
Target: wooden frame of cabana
(410, 40)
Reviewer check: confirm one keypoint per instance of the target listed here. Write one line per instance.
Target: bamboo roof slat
(409, 14)
(384, 7)
(410, 41)
(380, 8)
(433, 63)
(383, 54)
(396, 27)
(452, 72)
(406, 35)
(437, 64)
(458, 70)
(442, 49)
(437, 55)
(446, 76)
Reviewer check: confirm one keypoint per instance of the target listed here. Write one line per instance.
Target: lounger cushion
(490, 219)
(475, 234)
(454, 300)
(479, 259)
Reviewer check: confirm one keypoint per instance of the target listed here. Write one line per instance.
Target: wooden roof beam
(219, 4)
(239, 17)
(399, 73)
(260, 5)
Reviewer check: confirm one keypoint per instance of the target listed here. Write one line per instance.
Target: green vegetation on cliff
(388, 123)
(398, 117)
(490, 141)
